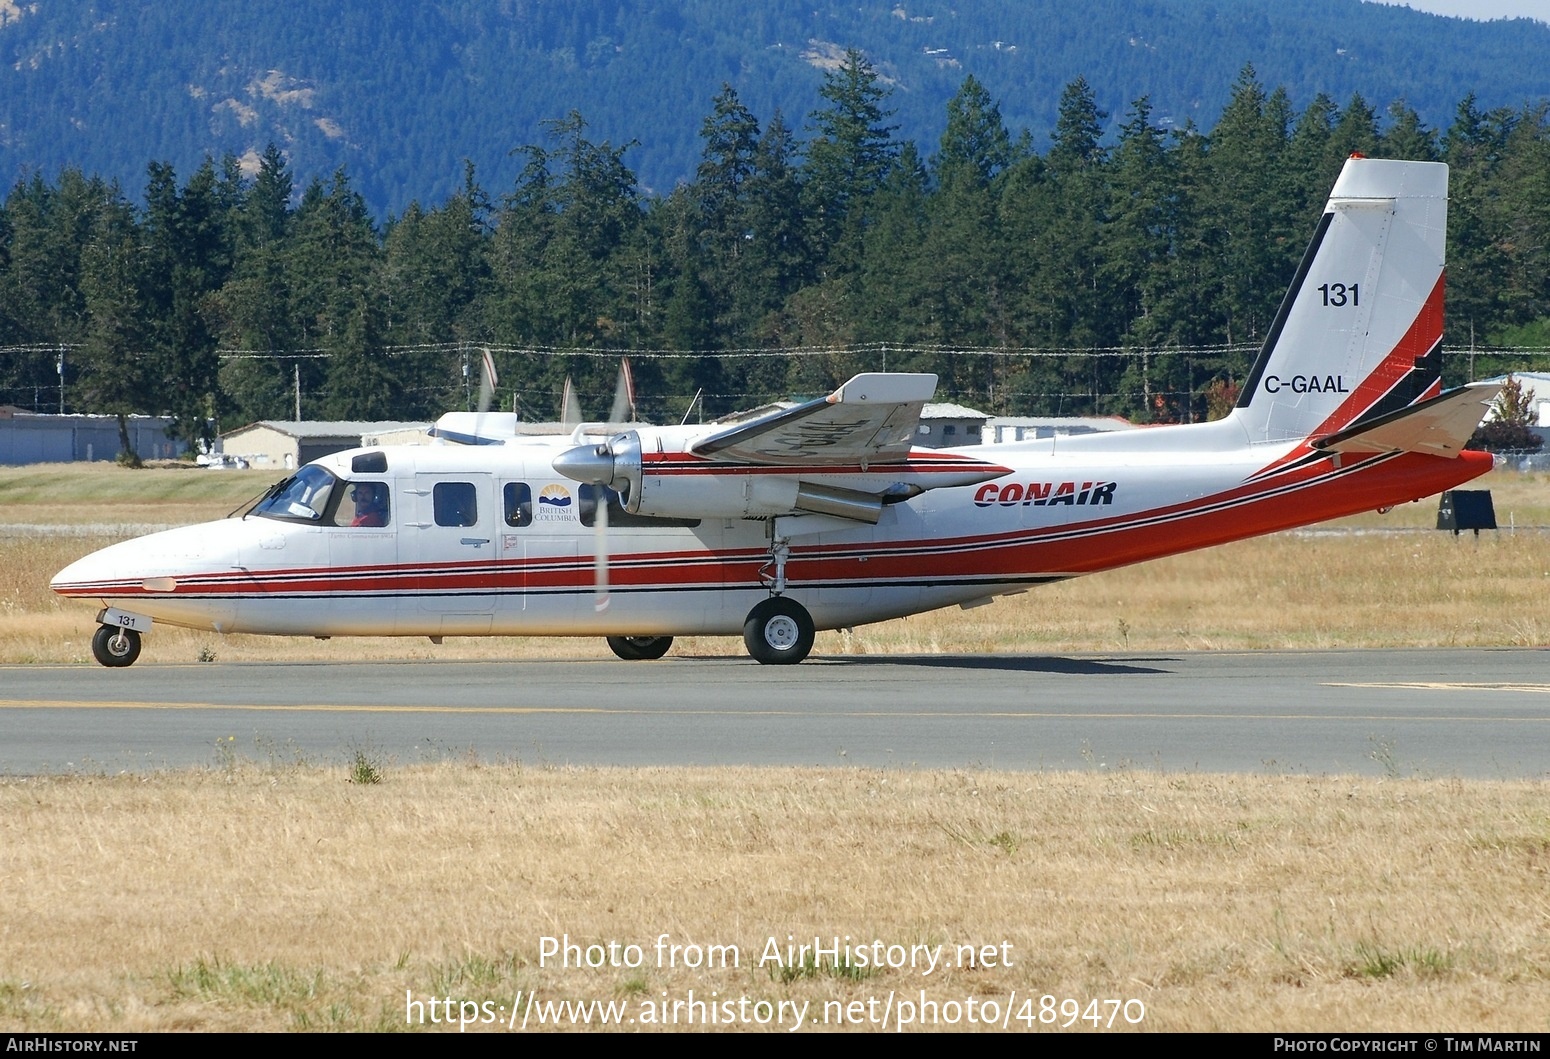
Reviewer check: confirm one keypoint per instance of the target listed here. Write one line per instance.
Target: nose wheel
(778, 632)
(115, 647)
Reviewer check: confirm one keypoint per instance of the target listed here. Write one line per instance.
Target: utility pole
(297, 367)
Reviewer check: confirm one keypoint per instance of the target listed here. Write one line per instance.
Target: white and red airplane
(823, 516)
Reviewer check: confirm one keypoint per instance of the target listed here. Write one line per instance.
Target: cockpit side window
(364, 504)
(302, 498)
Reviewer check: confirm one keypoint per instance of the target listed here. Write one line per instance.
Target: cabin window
(364, 504)
(455, 504)
(519, 504)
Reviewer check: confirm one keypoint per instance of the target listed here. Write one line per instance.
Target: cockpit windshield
(302, 498)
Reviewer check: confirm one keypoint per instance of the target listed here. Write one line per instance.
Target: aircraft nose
(592, 464)
(149, 564)
(83, 576)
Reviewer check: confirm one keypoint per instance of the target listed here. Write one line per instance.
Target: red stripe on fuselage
(1311, 494)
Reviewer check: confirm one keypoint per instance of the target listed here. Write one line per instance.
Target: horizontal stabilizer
(1439, 427)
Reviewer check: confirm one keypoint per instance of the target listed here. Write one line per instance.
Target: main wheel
(115, 647)
(639, 648)
(778, 632)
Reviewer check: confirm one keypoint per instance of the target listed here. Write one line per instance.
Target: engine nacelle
(658, 475)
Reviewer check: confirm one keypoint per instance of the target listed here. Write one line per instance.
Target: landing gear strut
(772, 575)
(778, 631)
(115, 647)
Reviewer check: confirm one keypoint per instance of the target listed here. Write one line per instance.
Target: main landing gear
(639, 648)
(115, 647)
(778, 632)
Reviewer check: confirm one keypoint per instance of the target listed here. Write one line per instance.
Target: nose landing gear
(115, 647)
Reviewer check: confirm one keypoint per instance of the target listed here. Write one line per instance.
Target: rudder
(1359, 333)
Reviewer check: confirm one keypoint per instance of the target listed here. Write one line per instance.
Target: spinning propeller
(594, 466)
(488, 380)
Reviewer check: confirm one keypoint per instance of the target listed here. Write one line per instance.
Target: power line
(861, 348)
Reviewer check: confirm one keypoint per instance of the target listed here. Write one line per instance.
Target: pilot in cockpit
(371, 504)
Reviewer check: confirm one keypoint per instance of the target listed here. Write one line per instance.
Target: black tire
(778, 632)
(115, 647)
(639, 648)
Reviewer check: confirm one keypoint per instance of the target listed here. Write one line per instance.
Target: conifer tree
(847, 160)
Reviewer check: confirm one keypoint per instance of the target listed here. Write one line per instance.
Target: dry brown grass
(284, 896)
(245, 897)
(1286, 591)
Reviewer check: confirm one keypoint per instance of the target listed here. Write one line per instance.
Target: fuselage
(491, 540)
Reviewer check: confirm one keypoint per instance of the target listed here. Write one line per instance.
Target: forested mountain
(400, 94)
(215, 211)
(1134, 273)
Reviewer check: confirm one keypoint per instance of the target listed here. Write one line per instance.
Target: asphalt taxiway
(1469, 713)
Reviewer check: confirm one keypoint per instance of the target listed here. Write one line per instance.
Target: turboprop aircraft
(823, 516)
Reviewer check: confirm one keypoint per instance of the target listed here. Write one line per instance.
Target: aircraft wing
(847, 456)
(1439, 427)
(476, 428)
(870, 419)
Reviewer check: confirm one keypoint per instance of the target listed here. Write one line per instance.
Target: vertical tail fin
(1359, 334)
